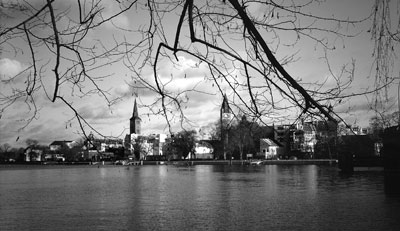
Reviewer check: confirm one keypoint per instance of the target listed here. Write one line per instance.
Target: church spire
(135, 113)
(226, 120)
(225, 106)
(135, 121)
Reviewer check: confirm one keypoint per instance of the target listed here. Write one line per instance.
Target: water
(195, 198)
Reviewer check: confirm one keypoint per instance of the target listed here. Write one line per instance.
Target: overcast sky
(54, 121)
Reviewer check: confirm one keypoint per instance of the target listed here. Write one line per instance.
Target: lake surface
(270, 197)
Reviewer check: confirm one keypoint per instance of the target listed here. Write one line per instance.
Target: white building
(57, 145)
(204, 150)
(268, 148)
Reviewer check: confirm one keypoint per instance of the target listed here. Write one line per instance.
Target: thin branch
(58, 46)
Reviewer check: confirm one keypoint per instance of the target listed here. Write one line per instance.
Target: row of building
(305, 139)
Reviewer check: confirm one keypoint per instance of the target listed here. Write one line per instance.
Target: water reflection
(195, 198)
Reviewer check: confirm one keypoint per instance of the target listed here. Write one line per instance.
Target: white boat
(256, 162)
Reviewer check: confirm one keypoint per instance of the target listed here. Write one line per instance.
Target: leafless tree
(239, 43)
(5, 148)
(385, 32)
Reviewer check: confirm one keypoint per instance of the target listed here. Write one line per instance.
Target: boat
(255, 162)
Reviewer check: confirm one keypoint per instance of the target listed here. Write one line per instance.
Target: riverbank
(177, 163)
(246, 162)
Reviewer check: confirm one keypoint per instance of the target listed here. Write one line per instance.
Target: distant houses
(204, 150)
(304, 140)
(33, 154)
(318, 139)
(98, 149)
(90, 150)
(158, 146)
(58, 145)
(54, 152)
(269, 149)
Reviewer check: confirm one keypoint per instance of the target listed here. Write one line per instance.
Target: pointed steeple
(135, 121)
(135, 113)
(225, 106)
(226, 119)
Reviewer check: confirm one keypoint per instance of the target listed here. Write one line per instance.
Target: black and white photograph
(200, 115)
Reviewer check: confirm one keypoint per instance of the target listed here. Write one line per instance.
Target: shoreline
(176, 163)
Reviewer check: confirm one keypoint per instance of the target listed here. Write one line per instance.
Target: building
(135, 128)
(58, 145)
(352, 130)
(204, 150)
(158, 141)
(305, 139)
(57, 150)
(138, 146)
(283, 134)
(103, 149)
(226, 117)
(269, 149)
(33, 154)
(135, 121)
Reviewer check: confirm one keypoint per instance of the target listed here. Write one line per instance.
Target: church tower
(226, 113)
(226, 117)
(135, 121)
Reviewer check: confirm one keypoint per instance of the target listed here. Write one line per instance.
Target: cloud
(197, 99)
(10, 68)
(44, 130)
(133, 88)
(354, 107)
(123, 91)
(184, 68)
(96, 112)
(7, 134)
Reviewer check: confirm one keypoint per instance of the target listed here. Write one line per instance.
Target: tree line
(243, 138)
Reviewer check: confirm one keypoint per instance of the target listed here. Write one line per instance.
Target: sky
(55, 121)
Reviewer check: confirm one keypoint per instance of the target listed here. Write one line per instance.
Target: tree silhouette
(184, 143)
(238, 43)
